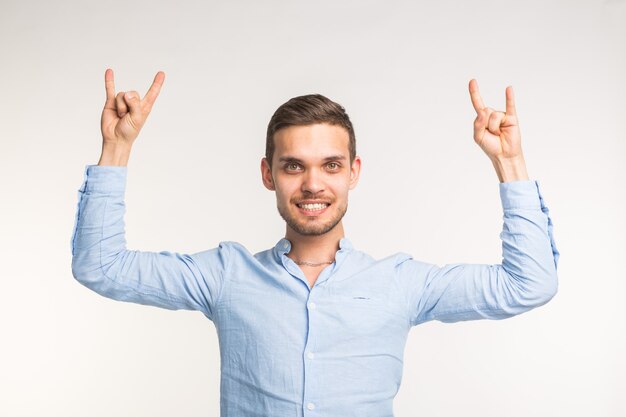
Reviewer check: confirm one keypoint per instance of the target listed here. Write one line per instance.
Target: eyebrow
(288, 158)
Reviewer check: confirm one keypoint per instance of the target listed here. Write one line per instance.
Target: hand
(495, 132)
(125, 114)
(498, 135)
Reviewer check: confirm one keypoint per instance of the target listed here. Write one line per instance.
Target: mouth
(313, 208)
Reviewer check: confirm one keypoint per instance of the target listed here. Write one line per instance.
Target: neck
(320, 248)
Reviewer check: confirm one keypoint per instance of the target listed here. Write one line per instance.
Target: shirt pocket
(366, 314)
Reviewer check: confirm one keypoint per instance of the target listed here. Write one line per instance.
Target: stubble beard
(307, 228)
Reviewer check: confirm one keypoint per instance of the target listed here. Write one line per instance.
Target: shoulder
(387, 263)
(238, 253)
(234, 249)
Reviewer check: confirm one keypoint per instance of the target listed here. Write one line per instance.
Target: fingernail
(129, 96)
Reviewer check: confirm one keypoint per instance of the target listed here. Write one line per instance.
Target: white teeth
(316, 206)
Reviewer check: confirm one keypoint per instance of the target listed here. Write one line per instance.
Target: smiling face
(312, 175)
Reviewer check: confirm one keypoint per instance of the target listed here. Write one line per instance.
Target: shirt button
(312, 306)
(310, 355)
(310, 406)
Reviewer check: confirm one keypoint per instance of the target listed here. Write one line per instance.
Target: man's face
(311, 175)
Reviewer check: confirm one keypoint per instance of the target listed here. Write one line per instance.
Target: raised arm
(100, 260)
(527, 276)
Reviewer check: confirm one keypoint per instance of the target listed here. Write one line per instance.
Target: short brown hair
(307, 110)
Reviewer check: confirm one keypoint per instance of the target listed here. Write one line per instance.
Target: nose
(313, 182)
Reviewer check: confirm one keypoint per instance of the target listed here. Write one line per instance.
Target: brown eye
(333, 165)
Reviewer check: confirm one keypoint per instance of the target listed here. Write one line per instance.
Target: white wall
(401, 69)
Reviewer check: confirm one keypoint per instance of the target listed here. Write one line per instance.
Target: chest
(280, 308)
(311, 274)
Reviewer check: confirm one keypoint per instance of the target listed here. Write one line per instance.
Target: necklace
(312, 263)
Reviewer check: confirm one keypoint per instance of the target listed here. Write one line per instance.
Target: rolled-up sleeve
(526, 278)
(101, 262)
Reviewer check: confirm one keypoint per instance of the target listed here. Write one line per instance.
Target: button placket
(309, 384)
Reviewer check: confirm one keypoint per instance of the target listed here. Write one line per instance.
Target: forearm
(114, 155)
(528, 249)
(99, 230)
(513, 169)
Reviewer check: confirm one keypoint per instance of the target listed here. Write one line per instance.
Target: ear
(355, 171)
(266, 175)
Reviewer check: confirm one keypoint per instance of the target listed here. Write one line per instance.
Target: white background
(401, 69)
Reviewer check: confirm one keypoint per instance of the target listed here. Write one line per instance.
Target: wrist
(114, 155)
(510, 169)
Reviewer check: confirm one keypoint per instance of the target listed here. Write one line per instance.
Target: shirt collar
(284, 246)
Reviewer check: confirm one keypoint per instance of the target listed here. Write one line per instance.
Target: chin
(312, 225)
(318, 231)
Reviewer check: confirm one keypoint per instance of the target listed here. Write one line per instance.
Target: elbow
(79, 274)
(552, 288)
(544, 290)
(525, 294)
(82, 275)
(88, 272)
(77, 269)
(548, 285)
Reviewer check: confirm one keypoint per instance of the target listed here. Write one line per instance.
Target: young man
(312, 326)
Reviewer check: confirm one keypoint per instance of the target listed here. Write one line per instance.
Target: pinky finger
(510, 102)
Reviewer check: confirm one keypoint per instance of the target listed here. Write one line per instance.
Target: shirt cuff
(104, 179)
(522, 194)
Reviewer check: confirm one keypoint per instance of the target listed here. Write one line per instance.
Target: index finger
(109, 85)
(477, 100)
(155, 88)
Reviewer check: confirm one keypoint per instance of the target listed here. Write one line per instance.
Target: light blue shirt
(334, 349)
